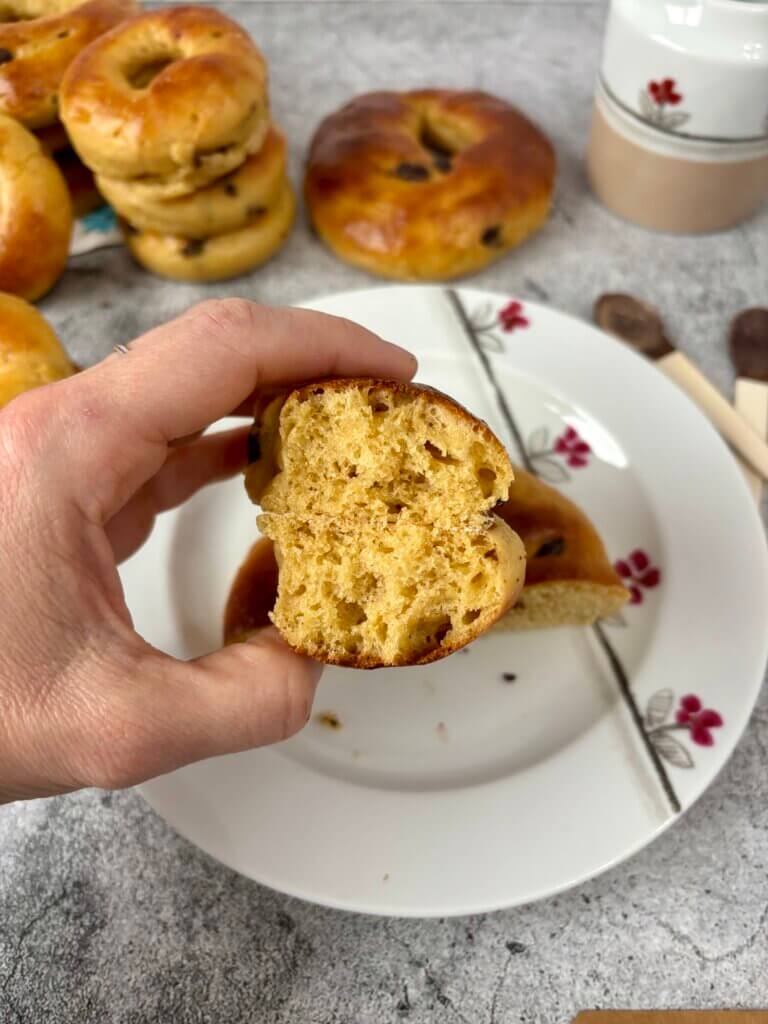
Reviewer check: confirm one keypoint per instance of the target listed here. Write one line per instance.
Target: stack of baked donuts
(38, 41)
(170, 110)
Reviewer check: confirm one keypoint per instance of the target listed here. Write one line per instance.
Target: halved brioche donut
(30, 352)
(377, 496)
(223, 206)
(35, 214)
(39, 39)
(171, 99)
(427, 185)
(569, 579)
(219, 257)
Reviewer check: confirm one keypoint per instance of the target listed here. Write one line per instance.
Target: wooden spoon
(640, 325)
(748, 343)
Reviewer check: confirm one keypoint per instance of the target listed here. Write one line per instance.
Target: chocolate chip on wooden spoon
(749, 343)
(635, 322)
(640, 326)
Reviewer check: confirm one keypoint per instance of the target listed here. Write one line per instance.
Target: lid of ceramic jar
(695, 68)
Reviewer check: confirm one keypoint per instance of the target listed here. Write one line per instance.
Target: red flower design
(664, 92)
(699, 720)
(571, 446)
(638, 572)
(511, 316)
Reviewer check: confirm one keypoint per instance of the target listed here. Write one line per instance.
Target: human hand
(85, 466)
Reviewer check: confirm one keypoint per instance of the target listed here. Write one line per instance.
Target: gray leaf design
(483, 315)
(551, 471)
(659, 707)
(538, 441)
(646, 104)
(491, 341)
(672, 750)
(675, 119)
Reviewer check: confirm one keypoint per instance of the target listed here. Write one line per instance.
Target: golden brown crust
(43, 47)
(30, 352)
(384, 198)
(175, 97)
(216, 209)
(560, 541)
(219, 257)
(35, 214)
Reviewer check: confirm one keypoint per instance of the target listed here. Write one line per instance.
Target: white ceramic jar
(679, 138)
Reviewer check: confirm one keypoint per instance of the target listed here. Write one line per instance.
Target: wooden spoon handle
(745, 441)
(750, 399)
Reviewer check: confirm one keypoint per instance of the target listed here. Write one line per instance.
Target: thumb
(246, 695)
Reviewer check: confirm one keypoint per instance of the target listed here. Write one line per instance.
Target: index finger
(184, 375)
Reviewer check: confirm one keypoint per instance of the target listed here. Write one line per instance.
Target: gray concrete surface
(107, 916)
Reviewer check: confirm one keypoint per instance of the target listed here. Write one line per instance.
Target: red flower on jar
(664, 92)
(573, 448)
(638, 572)
(511, 316)
(698, 720)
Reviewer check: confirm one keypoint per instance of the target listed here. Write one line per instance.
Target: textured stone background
(107, 916)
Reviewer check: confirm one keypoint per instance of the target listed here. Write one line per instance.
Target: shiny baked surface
(427, 185)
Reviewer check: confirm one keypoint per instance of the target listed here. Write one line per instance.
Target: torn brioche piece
(569, 579)
(378, 497)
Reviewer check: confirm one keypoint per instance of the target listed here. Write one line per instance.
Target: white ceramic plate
(523, 766)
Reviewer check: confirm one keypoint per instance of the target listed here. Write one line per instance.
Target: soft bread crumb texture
(379, 451)
(563, 603)
(389, 593)
(377, 496)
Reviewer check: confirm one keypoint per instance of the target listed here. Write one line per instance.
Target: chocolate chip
(255, 211)
(556, 546)
(5, 55)
(254, 447)
(491, 236)
(193, 247)
(411, 172)
(508, 677)
(635, 322)
(749, 343)
(62, 35)
(230, 189)
(443, 163)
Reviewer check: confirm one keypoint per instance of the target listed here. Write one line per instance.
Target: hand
(85, 466)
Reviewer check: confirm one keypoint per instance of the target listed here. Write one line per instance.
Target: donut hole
(143, 71)
(436, 144)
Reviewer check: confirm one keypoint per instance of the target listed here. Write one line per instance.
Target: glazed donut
(30, 353)
(172, 100)
(223, 206)
(39, 39)
(35, 214)
(427, 185)
(220, 257)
